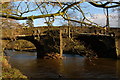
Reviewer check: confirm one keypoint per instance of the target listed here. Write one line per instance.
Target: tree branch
(69, 6)
(81, 22)
(31, 17)
(105, 4)
(40, 16)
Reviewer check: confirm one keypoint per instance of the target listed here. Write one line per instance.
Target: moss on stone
(9, 72)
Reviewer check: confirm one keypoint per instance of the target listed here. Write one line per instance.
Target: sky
(99, 16)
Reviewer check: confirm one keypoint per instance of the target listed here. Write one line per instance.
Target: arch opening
(103, 46)
(20, 45)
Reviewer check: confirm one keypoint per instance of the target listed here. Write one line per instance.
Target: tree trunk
(61, 43)
(69, 31)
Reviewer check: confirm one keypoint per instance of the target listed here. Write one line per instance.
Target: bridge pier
(40, 53)
(39, 48)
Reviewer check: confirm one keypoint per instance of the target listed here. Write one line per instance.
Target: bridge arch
(20, 45)
(103, 46)
(35, 42)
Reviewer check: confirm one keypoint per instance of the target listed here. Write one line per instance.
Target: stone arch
(12, 44)
(39, 47)
(103, 46)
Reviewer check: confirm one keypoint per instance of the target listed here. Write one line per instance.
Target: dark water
(72, 66)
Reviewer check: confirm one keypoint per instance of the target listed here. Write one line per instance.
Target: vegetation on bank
(20, 45)
(9, 72)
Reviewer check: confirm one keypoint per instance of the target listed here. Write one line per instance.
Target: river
(71, 66)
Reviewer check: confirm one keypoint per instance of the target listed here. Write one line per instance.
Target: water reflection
(118, 68)
(72, 66)
(101, 68)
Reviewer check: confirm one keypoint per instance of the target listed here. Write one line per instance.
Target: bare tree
(30, 23)
(18, 12)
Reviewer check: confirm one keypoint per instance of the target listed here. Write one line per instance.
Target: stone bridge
(104, 41)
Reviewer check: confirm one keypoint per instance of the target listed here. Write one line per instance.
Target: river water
(72, 66)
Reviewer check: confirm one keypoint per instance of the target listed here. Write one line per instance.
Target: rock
(52, 56)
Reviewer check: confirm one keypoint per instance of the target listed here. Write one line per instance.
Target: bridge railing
(40, 31)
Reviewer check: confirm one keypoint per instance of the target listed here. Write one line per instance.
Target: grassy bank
(10, 73)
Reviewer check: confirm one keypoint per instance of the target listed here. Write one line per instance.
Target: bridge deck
(30, 31)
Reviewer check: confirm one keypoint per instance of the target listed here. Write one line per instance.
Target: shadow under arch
(103, 46)
(39, 47)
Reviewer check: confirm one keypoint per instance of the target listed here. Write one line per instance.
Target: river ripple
(72, 66)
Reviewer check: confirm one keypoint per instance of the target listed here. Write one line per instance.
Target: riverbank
(9, 72)
(27, 50)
